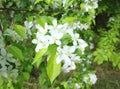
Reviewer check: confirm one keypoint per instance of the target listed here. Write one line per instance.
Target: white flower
(75, 58)
(86, 0)
(87, 7)
(82, 44)
(78, 25)
(84, 69)
(42, 30)
(69, 49)
(84, 26)
(67, 67)
(95, 4)
(93, 78)
(64, 28)
(88, 4)
(60, 55)
(55, 37)
(64, 53)
(55, 26)
(85, 79)
(64, 2)
(111, 19)
(55, 5)
(70, 31)
(28, 25)
(75, 37)
(91, 45)
(77, 86)
(41, 41)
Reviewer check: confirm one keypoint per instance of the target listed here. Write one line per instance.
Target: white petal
(38, 47)
(50, 27)
(34, 41)
(38, 27)
(58, 42)
(46, 26)
(54, 22)
(72, 49)
(58, 59)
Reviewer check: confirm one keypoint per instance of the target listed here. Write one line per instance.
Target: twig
(17, 9)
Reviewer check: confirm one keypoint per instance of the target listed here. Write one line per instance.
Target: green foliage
(52, 49)
(20, 30)
(53, 69)
(38, 57)
(17, 53)
(18, 61)
(107, 45)
(37, 1)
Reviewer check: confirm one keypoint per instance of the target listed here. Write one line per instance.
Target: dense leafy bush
(54, 42)
(108, 31)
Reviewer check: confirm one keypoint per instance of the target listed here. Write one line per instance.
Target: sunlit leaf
(69, 20)
(53, 69)
(37, 1)
(20, 30)
(38, 56)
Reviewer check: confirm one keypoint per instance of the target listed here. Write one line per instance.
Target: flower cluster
(91, 78)
(90, 4)
(52, 34)
(28, 25)
(81, 26)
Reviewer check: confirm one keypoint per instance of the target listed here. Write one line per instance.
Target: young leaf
(53, 69)
(52, 49)
(37, 1)
(17, 53)
(69, 20)
(41, 21)
(38, 56)
(49, 1)
(20, 30)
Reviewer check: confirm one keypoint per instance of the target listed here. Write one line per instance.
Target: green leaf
(17, 53)
(82, 5)
(37, 1)
(20, 30)
(52, 49)
(42, 79)
(41, 59)
(1, 81)
(69, 20)
(119, 65)
(66, 39)
(26, 76)
(65, 84)
(38, 56)
(41, 21)
(53, 69)
(49, 1)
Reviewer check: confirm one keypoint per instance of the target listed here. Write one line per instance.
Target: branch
(24, 9)
(17, 9)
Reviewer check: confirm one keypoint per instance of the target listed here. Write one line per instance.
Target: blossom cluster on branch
(53, 34)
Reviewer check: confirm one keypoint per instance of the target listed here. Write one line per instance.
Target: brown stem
(17, 9)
